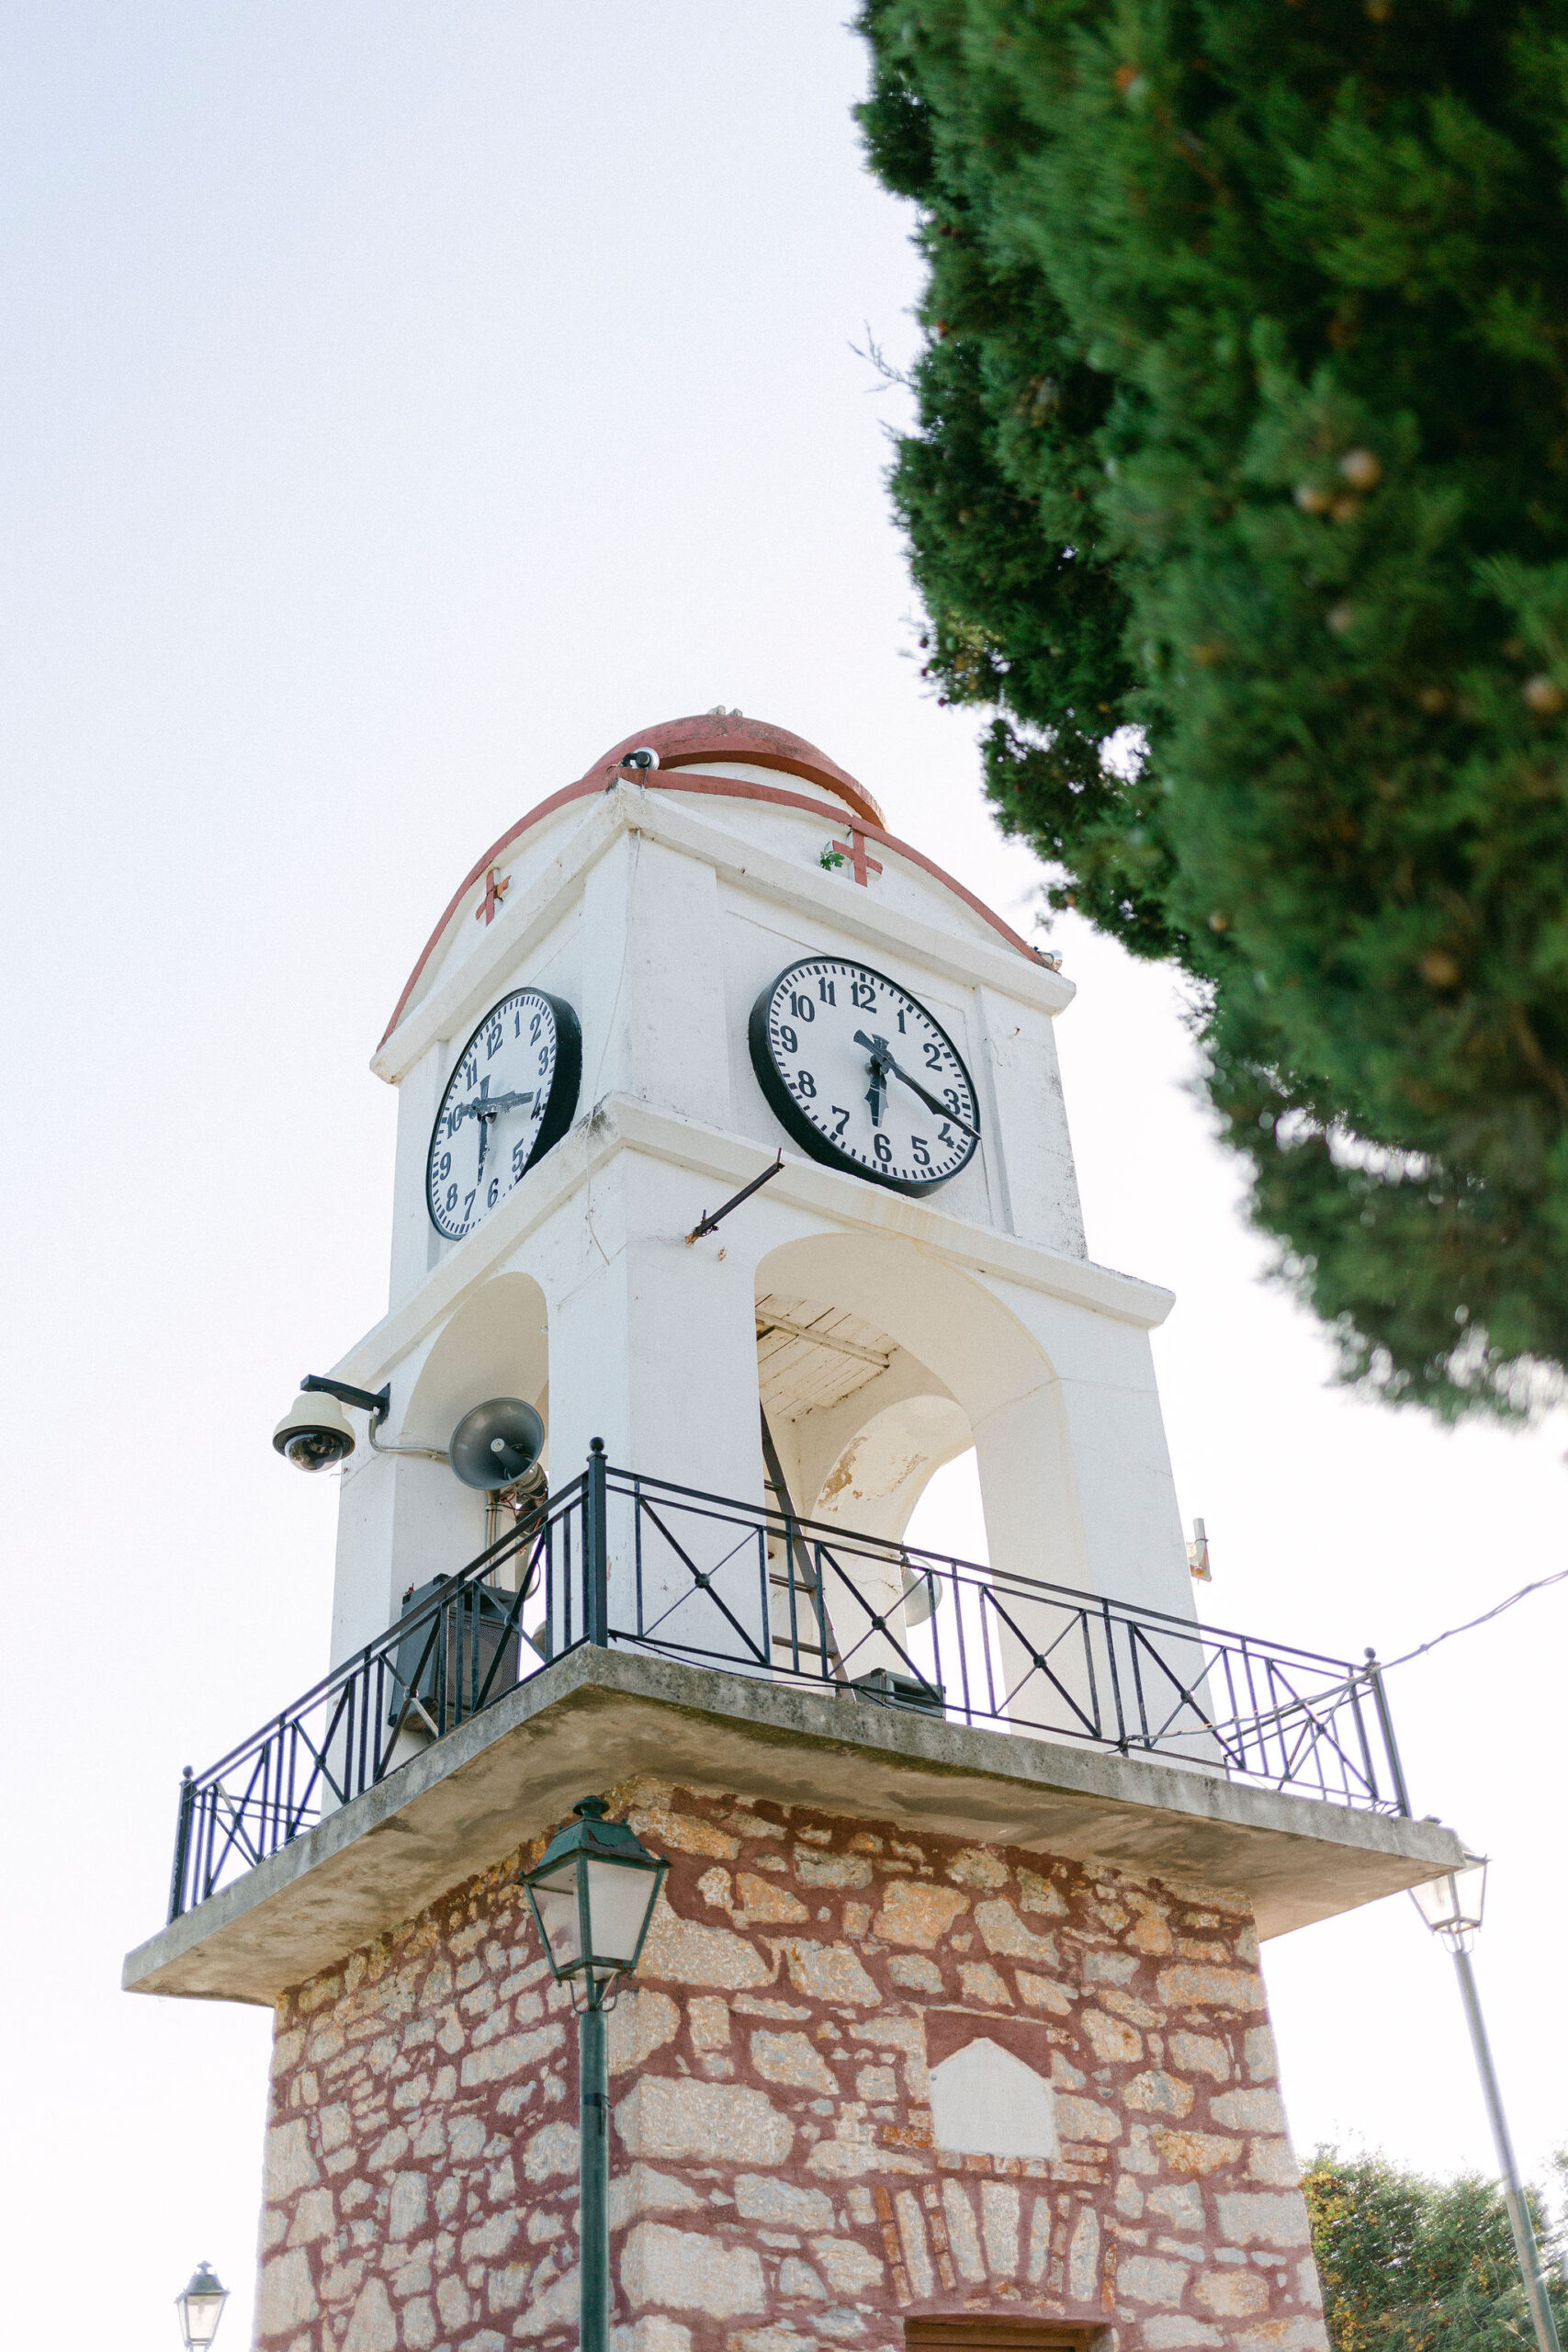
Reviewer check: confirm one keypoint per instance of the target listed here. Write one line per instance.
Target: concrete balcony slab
(596, 1717)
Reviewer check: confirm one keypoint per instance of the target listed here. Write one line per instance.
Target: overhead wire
(1471, 1623)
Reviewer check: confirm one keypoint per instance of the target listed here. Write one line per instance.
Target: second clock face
(512, 1096)
(862, 1076)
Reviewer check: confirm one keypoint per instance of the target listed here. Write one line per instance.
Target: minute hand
(931, 1101)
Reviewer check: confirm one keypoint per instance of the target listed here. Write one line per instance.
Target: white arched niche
(496, 1344)
(878, 1365)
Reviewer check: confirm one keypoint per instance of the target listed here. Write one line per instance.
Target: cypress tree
(1242, 422)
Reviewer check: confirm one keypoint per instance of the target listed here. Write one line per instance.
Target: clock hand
(487, 1109)
(479, 1109)
(880, 1060)
(931, 1101)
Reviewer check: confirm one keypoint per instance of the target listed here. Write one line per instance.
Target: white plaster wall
(801, 836)
(986, 2101)
(673, 1003)
(653, 1349)
(1026, 1115)
(830, 1473)
(416, 1245)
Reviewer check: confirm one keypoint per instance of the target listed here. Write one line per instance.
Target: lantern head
(592, 1898)
(1452, 1906)
(200, 2308)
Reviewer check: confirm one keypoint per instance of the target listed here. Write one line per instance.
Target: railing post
(1114, 1671)
(182, 1845)
(1385, 1724)
(596, 1551)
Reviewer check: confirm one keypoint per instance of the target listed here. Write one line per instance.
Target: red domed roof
(716, 737)
(725, 735)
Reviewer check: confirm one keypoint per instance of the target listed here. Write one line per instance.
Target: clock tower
(886, 1316)
(734, 1195)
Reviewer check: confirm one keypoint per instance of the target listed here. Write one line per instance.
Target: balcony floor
(599, 1716)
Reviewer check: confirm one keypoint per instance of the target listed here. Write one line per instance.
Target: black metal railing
(638, 1563)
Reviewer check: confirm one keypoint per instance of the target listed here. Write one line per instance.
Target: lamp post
(1452, 1908)
(200, 2307)
(592, 1897)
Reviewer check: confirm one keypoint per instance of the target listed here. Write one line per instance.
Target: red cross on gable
(854, 850)
(496, 888)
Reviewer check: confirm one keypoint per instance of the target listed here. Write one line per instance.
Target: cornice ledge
(806, 1183)
(620, 1123)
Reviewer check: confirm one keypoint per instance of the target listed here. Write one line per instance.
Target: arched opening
(878, 1366)
(496, 1344)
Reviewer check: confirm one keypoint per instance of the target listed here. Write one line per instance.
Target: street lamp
(200, 2308)
(1452, 1908)
(592, 1897)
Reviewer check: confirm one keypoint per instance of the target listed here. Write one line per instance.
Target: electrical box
(454, 1659)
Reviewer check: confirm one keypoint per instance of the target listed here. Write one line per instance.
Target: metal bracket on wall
(705, 1224)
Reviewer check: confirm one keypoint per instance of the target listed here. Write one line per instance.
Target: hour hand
(881, 1062)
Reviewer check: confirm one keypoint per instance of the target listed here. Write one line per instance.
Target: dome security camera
(644, 757)
(314, 1433)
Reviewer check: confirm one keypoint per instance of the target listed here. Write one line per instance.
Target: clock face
(511, 1097)
(862, 1076)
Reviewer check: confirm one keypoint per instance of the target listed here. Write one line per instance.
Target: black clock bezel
(794, 1120)
(560, 1109)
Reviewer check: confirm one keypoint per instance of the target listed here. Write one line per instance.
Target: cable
(1523, 1594)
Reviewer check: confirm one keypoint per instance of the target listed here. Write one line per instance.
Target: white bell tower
(880, 1331)
(975, 1831)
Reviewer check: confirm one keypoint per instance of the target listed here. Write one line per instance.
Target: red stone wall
(775, 2185)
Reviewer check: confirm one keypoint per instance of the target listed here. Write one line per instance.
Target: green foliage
(1410, 2264)
(1243, 421)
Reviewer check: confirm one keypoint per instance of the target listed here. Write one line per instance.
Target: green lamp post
(592, 1898)
(1452, 1908)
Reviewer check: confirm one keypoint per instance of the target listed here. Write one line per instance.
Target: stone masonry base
(776, 2182)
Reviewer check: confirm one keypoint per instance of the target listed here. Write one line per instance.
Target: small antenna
(1198, 1554)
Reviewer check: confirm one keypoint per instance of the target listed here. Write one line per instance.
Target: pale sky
(401, 404)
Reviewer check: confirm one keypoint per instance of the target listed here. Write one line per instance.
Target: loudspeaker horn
(497, 1443)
